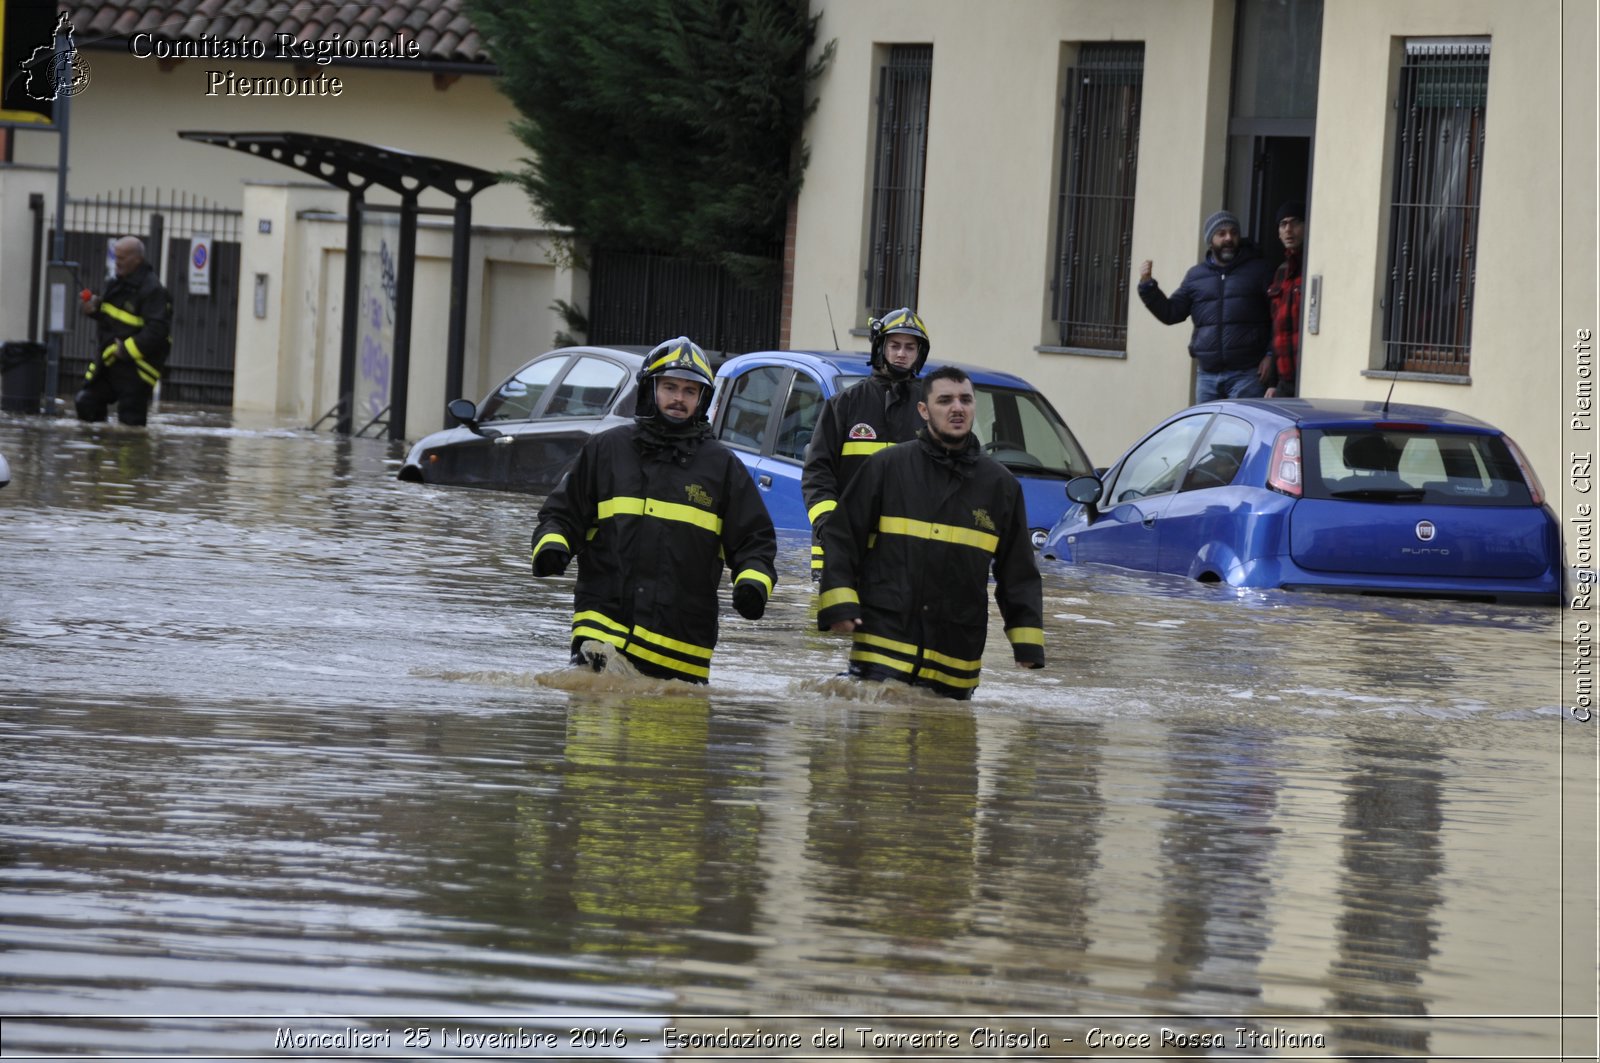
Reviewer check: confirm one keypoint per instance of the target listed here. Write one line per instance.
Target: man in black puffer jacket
(1226, 294)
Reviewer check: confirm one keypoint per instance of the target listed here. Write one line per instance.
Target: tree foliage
(660, 125)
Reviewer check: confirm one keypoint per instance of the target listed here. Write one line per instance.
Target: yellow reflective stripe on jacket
(861, 448)
(889, 644)
(922, 529)
(679, 646)
(946, 678)
(109, 355)
(838, 596)
(636, 650)
(116, 313)
(652, 507)
(580, 631)
(599, 618)
(758, 576)
(951, 662)
(555, 538)
(150, 374)
(827, 505)
(878, 658)
(1025, 636)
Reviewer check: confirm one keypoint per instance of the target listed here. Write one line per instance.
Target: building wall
(988, 210)
(992, 172)
(1516, 368)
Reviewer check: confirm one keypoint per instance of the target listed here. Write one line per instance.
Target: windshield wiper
(1388, 494)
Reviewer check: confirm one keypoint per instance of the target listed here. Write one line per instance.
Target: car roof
(856, 363)
(1329, 413)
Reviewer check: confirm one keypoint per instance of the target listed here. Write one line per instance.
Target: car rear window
(1439, 467)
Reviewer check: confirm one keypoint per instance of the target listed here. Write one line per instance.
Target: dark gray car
(526, 432)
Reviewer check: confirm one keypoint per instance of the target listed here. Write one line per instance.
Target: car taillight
(1284, 472)
(1535, 488)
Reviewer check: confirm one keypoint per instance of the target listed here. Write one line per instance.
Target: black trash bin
(21, 376)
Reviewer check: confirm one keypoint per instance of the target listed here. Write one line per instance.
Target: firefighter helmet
(904, 320)
(682, 358)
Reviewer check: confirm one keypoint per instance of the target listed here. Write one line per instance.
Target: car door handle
(504, 441)
(1149, 520)
(764, 480)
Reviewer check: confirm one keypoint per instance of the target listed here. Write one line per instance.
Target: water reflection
(893, 819)
(1216, 860)
(276, 738)
(1389, 887)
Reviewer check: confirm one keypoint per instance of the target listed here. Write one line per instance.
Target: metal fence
(644, 298)
(200, 366)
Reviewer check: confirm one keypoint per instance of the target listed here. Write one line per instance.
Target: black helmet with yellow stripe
(903, 320)
(682, 358)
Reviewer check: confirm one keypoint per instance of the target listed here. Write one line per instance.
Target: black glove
(750, 600)
(551, 561)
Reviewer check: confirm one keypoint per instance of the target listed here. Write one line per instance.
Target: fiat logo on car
(1426, 531)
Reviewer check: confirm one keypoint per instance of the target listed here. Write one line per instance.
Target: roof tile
(442, 28)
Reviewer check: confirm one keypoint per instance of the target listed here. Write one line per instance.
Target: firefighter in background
(910, 548)
(651, 510)
(860, 421)
(133, 317)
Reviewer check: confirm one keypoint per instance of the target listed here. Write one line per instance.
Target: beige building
(947, 172)
(152, 73)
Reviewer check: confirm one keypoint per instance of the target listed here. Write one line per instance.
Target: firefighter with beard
(910, 547)
(651, 510)
(859, 422)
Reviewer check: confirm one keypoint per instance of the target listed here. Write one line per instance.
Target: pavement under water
(290, 745)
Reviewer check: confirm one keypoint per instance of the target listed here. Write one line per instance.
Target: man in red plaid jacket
(1284, 295)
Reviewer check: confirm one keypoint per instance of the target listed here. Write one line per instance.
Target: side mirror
(1085, 490)
(465, 412)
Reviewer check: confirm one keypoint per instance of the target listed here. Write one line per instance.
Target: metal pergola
(355, 167)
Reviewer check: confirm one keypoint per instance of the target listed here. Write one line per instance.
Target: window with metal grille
(1094, 215)
(1433, 214)
(899, 166)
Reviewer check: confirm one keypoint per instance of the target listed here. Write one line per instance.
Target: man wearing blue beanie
(1226, 295)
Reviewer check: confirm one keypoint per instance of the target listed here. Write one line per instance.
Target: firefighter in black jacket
(651, 510)
(134, 320)
(858, 422)
(910, 547)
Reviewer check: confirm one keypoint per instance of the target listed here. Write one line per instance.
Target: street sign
(200, 264)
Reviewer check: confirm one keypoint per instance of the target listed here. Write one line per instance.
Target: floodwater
(290, 769)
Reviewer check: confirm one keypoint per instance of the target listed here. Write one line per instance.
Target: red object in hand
(86, 295)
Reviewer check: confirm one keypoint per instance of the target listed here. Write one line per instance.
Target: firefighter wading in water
(134, 320)
(910, 546)
(860, 421)
(650, 510)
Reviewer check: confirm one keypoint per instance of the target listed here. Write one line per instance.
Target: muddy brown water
(286, 746)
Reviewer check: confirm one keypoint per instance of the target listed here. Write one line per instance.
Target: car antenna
(831, 327)
(1389, 396)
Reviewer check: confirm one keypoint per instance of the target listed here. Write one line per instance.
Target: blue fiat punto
(766, 405)
(1323, 494)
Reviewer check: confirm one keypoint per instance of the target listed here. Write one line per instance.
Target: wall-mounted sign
(200, 264)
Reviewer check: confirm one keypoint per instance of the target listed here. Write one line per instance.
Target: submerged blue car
(1323, 494)
(766, 405)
